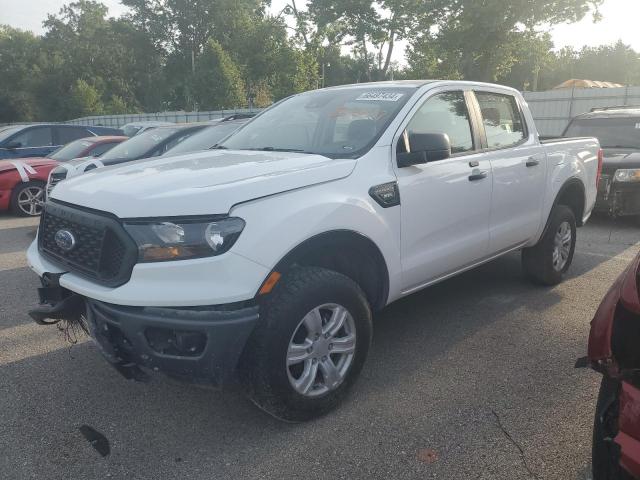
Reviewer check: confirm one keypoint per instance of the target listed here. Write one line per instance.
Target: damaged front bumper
(618, 199)
(195, 344)
(614, 350)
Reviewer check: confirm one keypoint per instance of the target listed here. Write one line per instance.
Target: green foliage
(83, 100)
(481, 40)
(20, 59)
(217, 83)
(210, 54)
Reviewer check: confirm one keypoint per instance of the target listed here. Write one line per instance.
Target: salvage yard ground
(472, 378)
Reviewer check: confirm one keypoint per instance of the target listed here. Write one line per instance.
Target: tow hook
(56, 303)
(582, 362)
(69, 308)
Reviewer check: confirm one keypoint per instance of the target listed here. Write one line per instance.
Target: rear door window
(69, 134)
(503, 123)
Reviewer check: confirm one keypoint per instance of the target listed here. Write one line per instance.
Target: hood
(615, 158)
(202, 183)
(33, 162)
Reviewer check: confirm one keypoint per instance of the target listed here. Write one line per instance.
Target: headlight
(182, 239)
(628, 175)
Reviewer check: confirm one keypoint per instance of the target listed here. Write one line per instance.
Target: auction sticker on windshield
(381, 96)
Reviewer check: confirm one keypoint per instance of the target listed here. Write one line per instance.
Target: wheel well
(572, 195)
(346, 252)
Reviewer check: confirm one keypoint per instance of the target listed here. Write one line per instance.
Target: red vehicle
(614, 350)
(23, 180)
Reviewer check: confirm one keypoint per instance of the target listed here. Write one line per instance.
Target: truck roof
(387, 83)
(612, 112)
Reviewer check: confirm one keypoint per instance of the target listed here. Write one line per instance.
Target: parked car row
(28, 177)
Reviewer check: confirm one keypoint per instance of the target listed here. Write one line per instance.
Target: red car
(23, 180)
(614, 350)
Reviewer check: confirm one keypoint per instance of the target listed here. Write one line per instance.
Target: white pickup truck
(263, 258)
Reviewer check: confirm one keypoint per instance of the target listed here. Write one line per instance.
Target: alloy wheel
(321, 350)
(31, 200)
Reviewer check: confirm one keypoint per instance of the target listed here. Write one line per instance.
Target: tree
(217, 83)
(20, 59)
(481, 38)
(110, 55)
(83, 100)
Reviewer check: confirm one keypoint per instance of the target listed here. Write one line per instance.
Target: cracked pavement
(477, 372)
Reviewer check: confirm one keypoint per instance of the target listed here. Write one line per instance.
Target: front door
(31, 142)
(445, 204)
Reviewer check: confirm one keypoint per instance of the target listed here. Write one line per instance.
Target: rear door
(67, 134)
(445, 204)
(518, 163)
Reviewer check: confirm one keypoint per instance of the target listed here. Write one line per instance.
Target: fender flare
(352, 239)
(566, 186)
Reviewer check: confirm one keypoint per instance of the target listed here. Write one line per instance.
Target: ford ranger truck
(264, 258)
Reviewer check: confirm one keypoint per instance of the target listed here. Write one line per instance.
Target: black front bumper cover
(195, 344)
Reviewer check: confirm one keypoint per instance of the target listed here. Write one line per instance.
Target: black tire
(263, 368)
(537, 261)
(605, 454)
(14, 205)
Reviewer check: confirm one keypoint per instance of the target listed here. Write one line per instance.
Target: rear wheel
(27, 199)
(546, 262)
(310, 345)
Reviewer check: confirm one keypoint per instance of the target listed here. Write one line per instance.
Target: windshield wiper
(218, 147)
(278, 149)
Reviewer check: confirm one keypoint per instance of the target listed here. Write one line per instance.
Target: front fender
(278, 224)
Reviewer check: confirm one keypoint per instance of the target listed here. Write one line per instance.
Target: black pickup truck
(618, 129)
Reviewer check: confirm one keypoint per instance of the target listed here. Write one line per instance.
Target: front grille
(102, 250)
(54, 179)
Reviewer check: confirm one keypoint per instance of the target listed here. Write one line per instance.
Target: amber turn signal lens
(269, 283)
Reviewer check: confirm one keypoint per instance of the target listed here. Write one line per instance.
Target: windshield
(613, 132)
(337, 123)
(6, 132)
(205, 139)
(140, 145)
(70, 151)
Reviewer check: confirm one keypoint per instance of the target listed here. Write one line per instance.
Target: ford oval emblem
(65, 240)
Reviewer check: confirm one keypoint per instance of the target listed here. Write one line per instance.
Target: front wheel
(310, 345)
(27, 199)
(546, 262)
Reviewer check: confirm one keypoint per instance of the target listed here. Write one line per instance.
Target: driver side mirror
(425, 147)
(13, 145)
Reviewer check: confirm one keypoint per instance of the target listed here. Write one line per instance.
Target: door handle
(478, 176)
(532, 162)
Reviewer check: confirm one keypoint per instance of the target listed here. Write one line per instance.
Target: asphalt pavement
(470, 379)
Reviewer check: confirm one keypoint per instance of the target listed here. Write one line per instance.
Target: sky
(620, 21)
